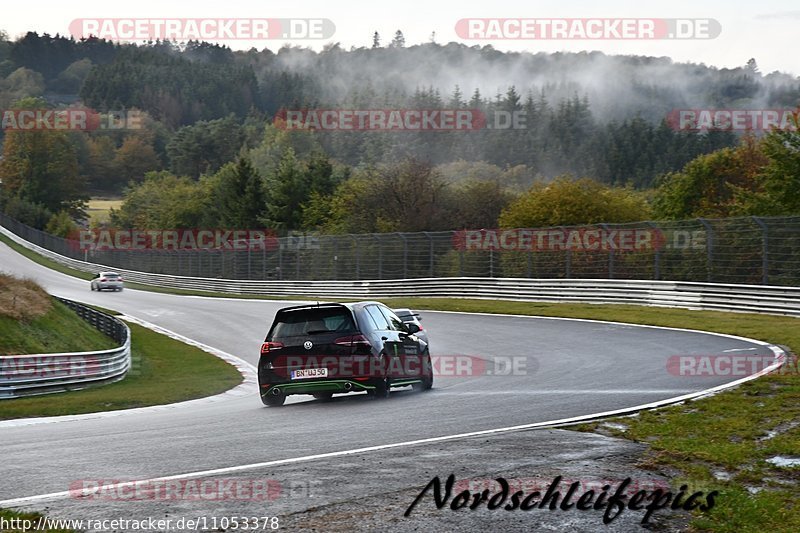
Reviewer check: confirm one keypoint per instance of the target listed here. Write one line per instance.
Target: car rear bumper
(317, 386)
(107, 285)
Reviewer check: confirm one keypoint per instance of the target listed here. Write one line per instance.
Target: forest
(209, 149)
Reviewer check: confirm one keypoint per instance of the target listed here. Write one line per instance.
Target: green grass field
(99, 209)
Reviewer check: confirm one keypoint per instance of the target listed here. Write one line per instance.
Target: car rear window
(317, 320)
(111, 276)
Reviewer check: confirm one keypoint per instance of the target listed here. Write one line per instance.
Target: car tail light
(119, 279)
(103, 279)
(268, 346)
(353, 340)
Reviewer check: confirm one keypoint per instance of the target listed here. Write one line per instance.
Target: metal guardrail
(29, 375)
(692, 295)
(747, 250)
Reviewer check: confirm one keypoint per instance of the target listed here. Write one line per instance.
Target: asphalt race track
(571, 368)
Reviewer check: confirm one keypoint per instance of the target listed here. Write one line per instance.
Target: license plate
(310, 373)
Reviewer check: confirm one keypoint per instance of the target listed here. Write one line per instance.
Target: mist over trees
(208, 150)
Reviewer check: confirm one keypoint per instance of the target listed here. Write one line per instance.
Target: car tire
(274, 400)
(382, 387)
(427, 381)
(91, 286)
(323, 396)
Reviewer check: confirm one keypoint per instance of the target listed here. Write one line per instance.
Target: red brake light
(103, 279)
(352, 340)
(267, 346)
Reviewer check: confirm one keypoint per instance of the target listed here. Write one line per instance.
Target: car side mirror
(412, 328)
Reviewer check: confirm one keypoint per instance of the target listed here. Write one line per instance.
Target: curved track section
(571, 368)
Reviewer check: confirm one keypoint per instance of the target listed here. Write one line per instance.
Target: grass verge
(27, 522)
(59, 330)
(159, 376)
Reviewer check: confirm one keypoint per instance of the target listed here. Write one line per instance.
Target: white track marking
(779, 359)
(576, 392)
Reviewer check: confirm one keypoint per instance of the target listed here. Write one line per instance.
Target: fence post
(764, 250)
(280, 256)
(430, 253)
(657, 256)
(709, 249)
(567, 257)
(380, 255)
(610, 255)
(358, 266)
(405, 255)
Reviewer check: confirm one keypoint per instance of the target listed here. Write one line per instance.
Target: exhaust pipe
(348, 386)
(276, 391)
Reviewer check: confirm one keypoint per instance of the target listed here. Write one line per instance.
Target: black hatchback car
(331, 348)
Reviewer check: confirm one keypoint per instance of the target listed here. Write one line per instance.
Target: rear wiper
(315, 331)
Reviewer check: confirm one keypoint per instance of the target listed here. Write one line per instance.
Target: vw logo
(308, 345)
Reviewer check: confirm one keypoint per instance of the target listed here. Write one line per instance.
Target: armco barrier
(28, 375)
(693, 295)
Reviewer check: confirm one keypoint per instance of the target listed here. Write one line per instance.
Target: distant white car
(412, 317)
(107, 280)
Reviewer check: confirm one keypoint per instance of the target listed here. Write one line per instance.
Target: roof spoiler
(311, 306)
